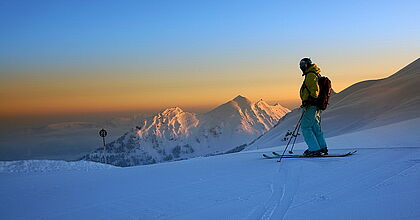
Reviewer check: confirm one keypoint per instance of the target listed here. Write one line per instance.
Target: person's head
(305, 63)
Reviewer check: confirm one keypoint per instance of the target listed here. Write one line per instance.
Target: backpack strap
(306, 87)
(317, 74)
(304, 84)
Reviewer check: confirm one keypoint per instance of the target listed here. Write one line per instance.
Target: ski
(277, 155)
(329, 155)
(270, 157)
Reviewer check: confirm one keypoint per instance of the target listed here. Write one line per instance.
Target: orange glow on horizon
(76, 93)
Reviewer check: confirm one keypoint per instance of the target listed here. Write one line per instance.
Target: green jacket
(310, 84)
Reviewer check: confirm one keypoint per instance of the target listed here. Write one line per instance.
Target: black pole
(103, 134)
(293, 133)
(294, 141)
(103, 139)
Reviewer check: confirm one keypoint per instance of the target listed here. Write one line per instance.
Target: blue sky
(70, 30)
(219, 42)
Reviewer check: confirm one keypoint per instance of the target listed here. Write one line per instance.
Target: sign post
(103, 134)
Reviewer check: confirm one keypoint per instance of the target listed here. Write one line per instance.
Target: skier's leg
(308, 121)
(318, 131)
(319, 136)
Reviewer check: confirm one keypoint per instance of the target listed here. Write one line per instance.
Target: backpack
(324, 92)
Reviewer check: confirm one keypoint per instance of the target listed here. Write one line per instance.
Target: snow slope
(31, 166)
(175, 134)
(379, 182)
(364, 105)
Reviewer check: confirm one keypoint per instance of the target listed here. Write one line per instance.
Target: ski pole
(295, 136)
(293, 145)
(294, 141)
(284, 151)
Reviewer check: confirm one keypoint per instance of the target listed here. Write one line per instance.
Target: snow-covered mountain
(175, 134)
(364, 105)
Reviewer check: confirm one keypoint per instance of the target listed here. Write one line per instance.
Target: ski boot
(309, 153)
(324, 151)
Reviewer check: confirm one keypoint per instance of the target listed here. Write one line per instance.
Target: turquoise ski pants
(311, 129)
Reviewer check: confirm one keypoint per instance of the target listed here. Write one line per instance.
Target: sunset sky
(61, 57)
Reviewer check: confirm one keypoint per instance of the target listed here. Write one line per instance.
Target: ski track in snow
(283, 189)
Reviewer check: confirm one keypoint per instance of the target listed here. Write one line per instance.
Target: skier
(310, 125)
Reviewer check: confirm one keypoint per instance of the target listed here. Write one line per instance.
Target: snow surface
(29, 166)
(379, 182)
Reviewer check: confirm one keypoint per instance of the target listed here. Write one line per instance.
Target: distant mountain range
(63, 140)
(174, 134)
(364, 105)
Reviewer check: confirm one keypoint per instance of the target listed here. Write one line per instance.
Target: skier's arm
(311, 83)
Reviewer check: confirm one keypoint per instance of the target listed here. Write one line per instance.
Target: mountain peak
(172, 110)
(241, 99)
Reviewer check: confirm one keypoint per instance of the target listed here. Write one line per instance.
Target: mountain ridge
(174, 134)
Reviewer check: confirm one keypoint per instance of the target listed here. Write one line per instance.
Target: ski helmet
(305, 63)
